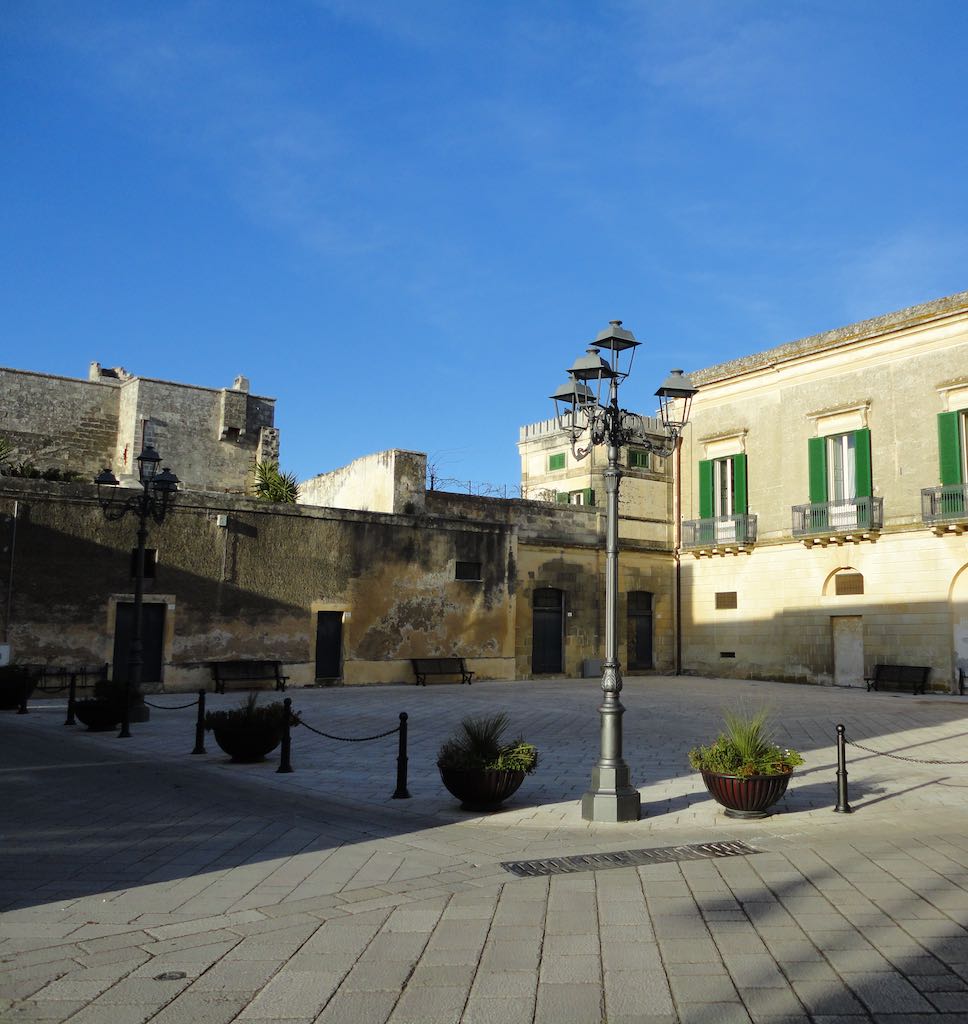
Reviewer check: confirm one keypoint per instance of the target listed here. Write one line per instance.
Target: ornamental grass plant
(479, 745)
(745, 748)
(249, 714)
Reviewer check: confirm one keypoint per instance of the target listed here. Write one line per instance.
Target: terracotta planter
(98, 714)
(748, 797)
(480, 790)
(248, 743)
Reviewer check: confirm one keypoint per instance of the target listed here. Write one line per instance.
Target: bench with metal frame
(247, 672)
(899, 677)
(423, 667)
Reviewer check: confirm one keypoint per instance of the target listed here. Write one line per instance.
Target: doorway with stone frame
(847, 634)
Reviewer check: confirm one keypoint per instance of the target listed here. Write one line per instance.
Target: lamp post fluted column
(588, 421)
(154, 501)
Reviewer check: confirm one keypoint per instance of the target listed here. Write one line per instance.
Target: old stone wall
(210, 438)
(57, 422)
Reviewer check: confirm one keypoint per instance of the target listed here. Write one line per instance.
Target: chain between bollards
(200, 725)
(285, 754)
(401, 792)
(843, 807)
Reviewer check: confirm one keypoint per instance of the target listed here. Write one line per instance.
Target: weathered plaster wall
(251, 588)
(390, 481)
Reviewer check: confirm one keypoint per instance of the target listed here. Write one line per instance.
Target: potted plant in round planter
(249, 732)
(104, 710)
(744, 769)
(479, 768)
(16, 685)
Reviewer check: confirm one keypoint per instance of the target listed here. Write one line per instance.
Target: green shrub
(745, 748)
(479, 744)
(249, 713)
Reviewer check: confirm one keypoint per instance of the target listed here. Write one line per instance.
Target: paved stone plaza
(141, 883)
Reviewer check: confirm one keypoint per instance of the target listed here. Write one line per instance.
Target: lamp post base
(612, 797)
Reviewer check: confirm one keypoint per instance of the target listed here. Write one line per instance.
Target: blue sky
(404, 220)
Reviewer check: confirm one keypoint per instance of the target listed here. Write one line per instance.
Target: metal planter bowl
(99, 714)
(749, 797)
(480, 789)
(246, 744)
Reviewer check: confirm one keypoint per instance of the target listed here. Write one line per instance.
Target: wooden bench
(423, 667)
(247, 672)
(899, 677)
(962, 679)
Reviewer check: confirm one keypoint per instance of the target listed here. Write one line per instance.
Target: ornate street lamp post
(590, 418)
(154, 501)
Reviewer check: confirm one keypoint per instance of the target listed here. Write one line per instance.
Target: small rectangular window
(848, 583)
(151, 560)
(638, 458)
(556, 461)
(726, 599)
(468, 571)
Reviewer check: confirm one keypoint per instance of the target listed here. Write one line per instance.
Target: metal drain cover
(626, 858)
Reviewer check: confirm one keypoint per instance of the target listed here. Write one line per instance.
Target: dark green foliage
(249, 713)
(479, 744)
(272, 485)
(745, 748)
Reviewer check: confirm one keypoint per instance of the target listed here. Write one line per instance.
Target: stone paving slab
(315, 897)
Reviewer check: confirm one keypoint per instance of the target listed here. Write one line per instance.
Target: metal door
(152, 640)
(639, 630)
(329, 645)
(547, 634)
(848, 639)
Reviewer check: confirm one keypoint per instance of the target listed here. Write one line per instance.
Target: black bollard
(401, 792)
(285, 755)
(843, 807)
(71, 698)
(200, 725)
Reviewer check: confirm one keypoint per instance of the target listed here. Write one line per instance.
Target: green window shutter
(949, 448)
(589, 496)
(561, 497)
(556, 462)
(862, 454)
(706, 489)
(740, 499)
(817, 458)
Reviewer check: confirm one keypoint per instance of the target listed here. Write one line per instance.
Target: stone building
(214, 436)
(823, 488)
(336, 594)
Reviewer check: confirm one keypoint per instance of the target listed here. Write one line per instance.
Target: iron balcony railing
(719, 531)
(944, 504)
(838, 516)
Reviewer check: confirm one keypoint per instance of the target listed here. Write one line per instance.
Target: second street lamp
(153, 501)
(591, 418)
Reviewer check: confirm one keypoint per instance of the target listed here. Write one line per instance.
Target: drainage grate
(625, 858)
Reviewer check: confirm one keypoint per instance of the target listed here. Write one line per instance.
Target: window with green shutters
(840, 466)
(638, 458)
(723, 487)
(556, 462)
(951, 448)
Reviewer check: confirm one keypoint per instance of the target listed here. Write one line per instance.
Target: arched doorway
(547, 630)
(639, 631)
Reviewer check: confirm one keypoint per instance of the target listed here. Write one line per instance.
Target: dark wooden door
(329, 645)
(547, 634)
(152, 640)
(639, 630)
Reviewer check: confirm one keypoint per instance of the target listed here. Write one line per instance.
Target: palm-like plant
(273, 485)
